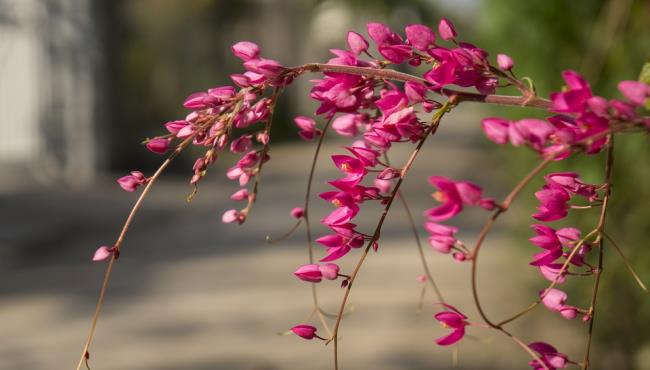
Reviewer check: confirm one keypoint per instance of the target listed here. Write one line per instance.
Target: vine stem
(310, 246)
(527, 100)
(418, 242)
(430, 131)
(109, 269)
(609, 162)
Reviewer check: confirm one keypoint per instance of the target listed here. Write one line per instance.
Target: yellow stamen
(439, 196)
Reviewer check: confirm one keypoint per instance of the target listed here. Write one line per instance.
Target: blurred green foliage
(608, 41)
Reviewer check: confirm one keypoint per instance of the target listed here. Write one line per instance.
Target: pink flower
(103, 253)
(496, 129)
(310, 273)
(552, 272)
(131, 182)
(504, 62)
(452, 195)
(390, 45)
(246, 50)
(441, 236)
(446, 29)
(574, 99)
(305, 331)
(233, 215)
(357, 43)
(553, 204)
(330, 271)
(241, 144)
(158, 145)
(345, 125)
(554, 300)
(240, 195)
(420, 36)
(452, 319)
(307, 126)
(550, 357)
(297, 212)
(570, 182)
(553, 241)
(195, 101)
(635, 91)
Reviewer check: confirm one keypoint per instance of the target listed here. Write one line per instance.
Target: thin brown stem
(488, 227)
(310, 246)
(625, 261)
(418, 243)
(609, 162)
(118, 245)
(265, 150)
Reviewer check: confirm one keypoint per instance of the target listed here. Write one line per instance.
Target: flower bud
(310, 273)
(246, 50)
(330, 271)
(446, 29)
(357, 43)
(304, 331)
(505, 62)
(158, 145)
(103, 253)
(297, 212)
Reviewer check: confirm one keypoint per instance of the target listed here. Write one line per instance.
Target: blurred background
(83, 82)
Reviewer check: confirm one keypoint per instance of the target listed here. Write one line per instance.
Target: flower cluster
(580, 119)
(453, 196)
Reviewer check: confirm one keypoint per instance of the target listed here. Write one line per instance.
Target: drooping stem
(310, 247)
(488, 227)
(429, 131)
(118, 245)
(418, 243)
(609, 162)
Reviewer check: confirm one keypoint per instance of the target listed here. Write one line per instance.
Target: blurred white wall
(48, 63)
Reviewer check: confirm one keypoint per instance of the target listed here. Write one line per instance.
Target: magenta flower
(452, 195)
(553, 204)
(446, 29)
(636, 92)
(454, 320)
(357, 43)
(504, 62)
(552, 272)
(239, 195)
(420, 36)
(390, 44)
(570, 182)
(131, 182)
(305, 331)
(103, 253)
(241, 144)
(574, 99)
(441, 237)
(554, 300)
(233, 215)
(307, 126)
(246, 50)
(550, 357)
(158, 145)
(309, 273)
(345, 125)
(297, 212)
(553, 241)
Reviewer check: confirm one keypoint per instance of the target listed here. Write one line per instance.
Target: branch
(389, 74)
